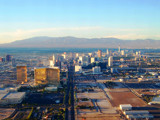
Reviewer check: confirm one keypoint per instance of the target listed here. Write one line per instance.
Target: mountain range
(73, 42)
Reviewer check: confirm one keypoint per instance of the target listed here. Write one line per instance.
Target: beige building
(47, 76)
(11, 98)
(122, 52)
(99, 53)
(22, 73)
(92, 59)
(78, 68)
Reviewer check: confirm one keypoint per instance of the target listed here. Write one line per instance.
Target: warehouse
(139, 116)
(155, 100)
(125, 107)
(12, 98)
(134, 114)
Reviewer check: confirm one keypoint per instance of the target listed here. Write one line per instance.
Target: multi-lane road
(69, 98)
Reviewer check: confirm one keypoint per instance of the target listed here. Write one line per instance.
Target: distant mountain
(73, 42)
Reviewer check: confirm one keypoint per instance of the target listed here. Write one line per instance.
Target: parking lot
(142, 85)
(46, 98)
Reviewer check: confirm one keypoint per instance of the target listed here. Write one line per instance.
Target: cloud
(134, 36)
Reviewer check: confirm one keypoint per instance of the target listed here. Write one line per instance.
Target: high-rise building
(122, 52)
(13, 62)
(21, 73)
(92, 59)
(51, 63)
(64, 56)
(8, 58)
(54, 59)
(47, 76)
(96, 70)
(110, 61)
(138, 53)
(81, 58)
(107, 52)
(99, 53)
(90, 54)
(119, 49)
(78, 68)
(58, 64)
(84, 60)
(1, 59)
(77, 55)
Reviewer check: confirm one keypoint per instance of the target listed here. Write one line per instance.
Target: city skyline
(121, 19)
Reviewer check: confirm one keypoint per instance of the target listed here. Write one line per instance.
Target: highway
(67, 99)
(72, 93)
(70, 90)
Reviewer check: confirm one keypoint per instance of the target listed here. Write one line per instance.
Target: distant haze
(73, 42)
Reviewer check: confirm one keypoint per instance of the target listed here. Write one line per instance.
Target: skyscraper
(47, 76)
(1, 59)
(54, 59)
(110, 61)
(92, 59)
(122, 52)
(21, 73)
(119, 49)
(107, 52)
(51, 63)
(58, 64)
(99, 53)
(13, 62)
(8, 58)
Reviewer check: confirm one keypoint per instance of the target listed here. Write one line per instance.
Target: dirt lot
(5, 112)
(126, 98)
(93, 95)
(85, 103)
(99, 117)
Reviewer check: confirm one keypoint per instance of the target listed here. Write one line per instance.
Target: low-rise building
(96, 70)
(134, 114)
(12, 98)
(51, 88)
(155, 100)
(125, 107)
(78, 68)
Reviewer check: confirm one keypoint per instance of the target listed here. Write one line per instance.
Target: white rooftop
(46, 67)
(125, 105)
(140, 116)
(15, 95)
(2, 95)
(156, 99)
(133, 112)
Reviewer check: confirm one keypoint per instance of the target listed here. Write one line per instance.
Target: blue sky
(125, 19)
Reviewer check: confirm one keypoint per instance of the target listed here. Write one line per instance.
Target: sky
(124, 19)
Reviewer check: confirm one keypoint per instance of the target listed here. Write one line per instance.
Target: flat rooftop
(15, 95)
(2, 95)
(5, 113)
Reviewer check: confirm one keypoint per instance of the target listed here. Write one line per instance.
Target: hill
(73, 42)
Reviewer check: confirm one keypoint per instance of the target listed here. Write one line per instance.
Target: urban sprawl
(102, 85)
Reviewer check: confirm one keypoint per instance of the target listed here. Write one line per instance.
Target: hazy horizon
(77, 37)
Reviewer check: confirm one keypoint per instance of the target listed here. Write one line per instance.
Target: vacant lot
(93, 95)
(5, 112)
(106, 107)
(126, 98)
